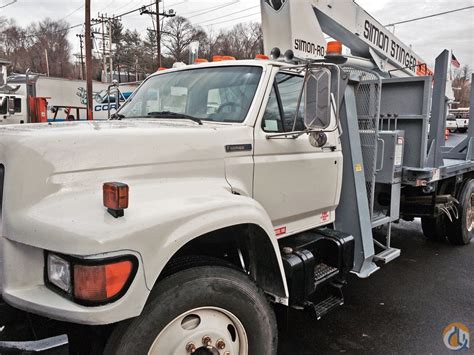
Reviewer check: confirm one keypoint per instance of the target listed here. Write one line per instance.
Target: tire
(461, 231)
(182, 300)
(462, 130)
(434, 228)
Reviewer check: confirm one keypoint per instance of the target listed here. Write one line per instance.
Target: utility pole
(88, 59)
(107, 30)
(81, 58)
(158, 33)
(111, 63)
(157, 13)
(104, 59)
(47, 60)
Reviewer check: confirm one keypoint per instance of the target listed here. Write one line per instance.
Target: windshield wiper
(169, 114)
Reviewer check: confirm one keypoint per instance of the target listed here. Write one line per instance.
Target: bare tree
(178, 33)
(462, 86)
(14, 45)
(51, 35)
(243, 41)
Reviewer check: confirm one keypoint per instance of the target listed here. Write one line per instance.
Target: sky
(428, 37)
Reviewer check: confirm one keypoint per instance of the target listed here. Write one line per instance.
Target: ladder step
(323, 272)
(380, 221)
(324, 307)
(387, 255)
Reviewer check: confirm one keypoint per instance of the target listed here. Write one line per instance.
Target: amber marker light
(334, 48)
(99, 283)
(115, 198)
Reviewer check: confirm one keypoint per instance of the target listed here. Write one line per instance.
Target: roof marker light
(334, 48)
(262, 56)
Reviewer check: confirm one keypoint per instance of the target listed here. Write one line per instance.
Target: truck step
(329, 298)
(323, 272)
(387, 255)
(327, 305)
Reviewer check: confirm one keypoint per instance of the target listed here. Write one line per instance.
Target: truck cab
(12, 109)
(230, 158)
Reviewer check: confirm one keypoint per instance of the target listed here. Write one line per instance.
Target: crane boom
(300, 25)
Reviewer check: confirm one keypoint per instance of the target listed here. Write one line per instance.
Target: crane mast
(301, 25)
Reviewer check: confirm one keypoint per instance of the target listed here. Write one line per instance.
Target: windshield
(221, 94)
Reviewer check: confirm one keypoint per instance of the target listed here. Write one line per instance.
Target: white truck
(64, 99)
(218, 193)
(461, 116)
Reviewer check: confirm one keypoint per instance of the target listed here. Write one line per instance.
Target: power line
(58, 31)
(234, 19)
(108, 4)
(74, 11)
(429, 16)
(214, 9)
(232, 13)
(10, 3)
(201, 10)
(135, 10)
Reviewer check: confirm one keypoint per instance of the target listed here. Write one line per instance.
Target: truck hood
(44, 161)
(78, 146)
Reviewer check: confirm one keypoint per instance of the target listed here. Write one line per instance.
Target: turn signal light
(115, 197)
(99, 283)
(334, 48)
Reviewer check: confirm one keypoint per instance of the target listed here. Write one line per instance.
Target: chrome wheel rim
(204, 330)
(470, 217)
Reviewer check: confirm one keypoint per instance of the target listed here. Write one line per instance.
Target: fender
(163, 217)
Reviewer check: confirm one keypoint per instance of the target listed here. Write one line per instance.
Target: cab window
(17, 105)
(281, 109)
(3, 105)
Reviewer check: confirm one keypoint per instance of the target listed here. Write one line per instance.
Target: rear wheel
(203, 310)
(461, 230)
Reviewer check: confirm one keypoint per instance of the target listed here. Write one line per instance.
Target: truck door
(297, 183)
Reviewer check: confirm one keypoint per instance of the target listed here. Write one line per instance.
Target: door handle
(382, 155)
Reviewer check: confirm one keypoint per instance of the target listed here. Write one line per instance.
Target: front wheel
(203, 310)
(461, 230)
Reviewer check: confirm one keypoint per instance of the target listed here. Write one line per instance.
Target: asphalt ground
(401, 309)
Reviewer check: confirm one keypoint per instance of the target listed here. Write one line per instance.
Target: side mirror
(317, 97)
(11, 105)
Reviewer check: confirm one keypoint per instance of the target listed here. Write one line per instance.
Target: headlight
(59, 272)
(91, 281)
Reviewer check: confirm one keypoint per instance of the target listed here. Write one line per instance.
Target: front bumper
(10, 317)
(56, 345)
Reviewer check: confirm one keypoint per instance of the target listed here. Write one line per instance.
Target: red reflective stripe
(280, 231)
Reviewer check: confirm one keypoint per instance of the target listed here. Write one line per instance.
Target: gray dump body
(394, 130)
